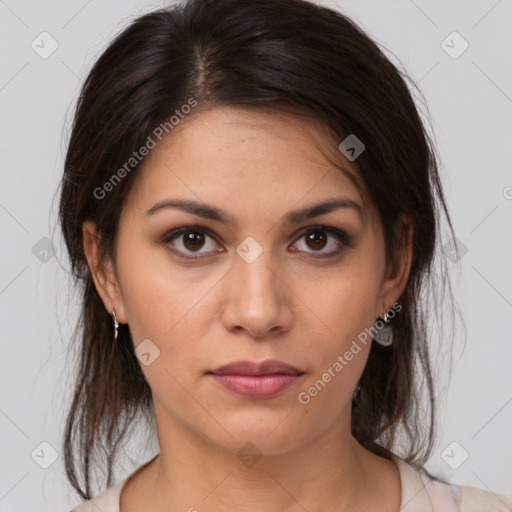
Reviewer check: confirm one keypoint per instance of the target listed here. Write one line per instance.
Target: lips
(256, 381)
(268, 367)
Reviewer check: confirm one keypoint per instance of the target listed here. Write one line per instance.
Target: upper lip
(268, 367)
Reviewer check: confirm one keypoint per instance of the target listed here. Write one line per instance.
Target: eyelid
(340, 234)
(337, 232)
(175, 233)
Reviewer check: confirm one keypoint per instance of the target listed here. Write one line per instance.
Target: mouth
(268, 367)
(254, 380)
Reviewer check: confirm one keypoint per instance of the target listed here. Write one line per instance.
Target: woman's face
(253, 286)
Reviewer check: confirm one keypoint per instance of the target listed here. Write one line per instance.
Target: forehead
(246, 159)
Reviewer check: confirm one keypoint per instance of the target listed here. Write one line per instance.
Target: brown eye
(187, 242)
(318, 238)
(193, 241)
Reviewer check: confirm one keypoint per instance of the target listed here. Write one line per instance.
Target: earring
(356, 391)
(116, 324)
(384, 334)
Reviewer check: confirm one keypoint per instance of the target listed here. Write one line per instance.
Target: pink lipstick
(255, 380)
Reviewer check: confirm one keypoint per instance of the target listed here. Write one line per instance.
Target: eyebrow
(214, 213)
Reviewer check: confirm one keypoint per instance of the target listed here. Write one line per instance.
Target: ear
(397, 273)
(102, 272)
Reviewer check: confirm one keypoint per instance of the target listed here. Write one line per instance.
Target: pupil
(317, 238)
(193, 240)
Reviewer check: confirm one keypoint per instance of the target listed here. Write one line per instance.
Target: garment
(419, 494)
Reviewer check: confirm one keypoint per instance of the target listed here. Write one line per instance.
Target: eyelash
(338, 233)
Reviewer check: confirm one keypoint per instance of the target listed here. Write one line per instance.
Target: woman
(252, 205)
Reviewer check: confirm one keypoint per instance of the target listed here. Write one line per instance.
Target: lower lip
(257, 386)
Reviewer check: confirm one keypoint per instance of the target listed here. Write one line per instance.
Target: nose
(257, 299)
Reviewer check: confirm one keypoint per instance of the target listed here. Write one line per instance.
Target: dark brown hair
(291, 55)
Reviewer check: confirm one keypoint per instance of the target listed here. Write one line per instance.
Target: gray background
(470, 102)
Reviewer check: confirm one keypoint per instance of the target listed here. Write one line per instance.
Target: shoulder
(474, 499)
(107, 501)
(446, 496)
(420, 493)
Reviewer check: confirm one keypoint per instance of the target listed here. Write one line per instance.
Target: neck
(328, 472)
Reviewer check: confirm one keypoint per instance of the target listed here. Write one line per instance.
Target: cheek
(345, 302)
(158, 296)
(343, 307)
(169, 309)
(341, 354)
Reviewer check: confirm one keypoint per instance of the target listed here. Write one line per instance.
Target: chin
(268, 434)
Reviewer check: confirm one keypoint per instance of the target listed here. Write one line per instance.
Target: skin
(285, 305)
